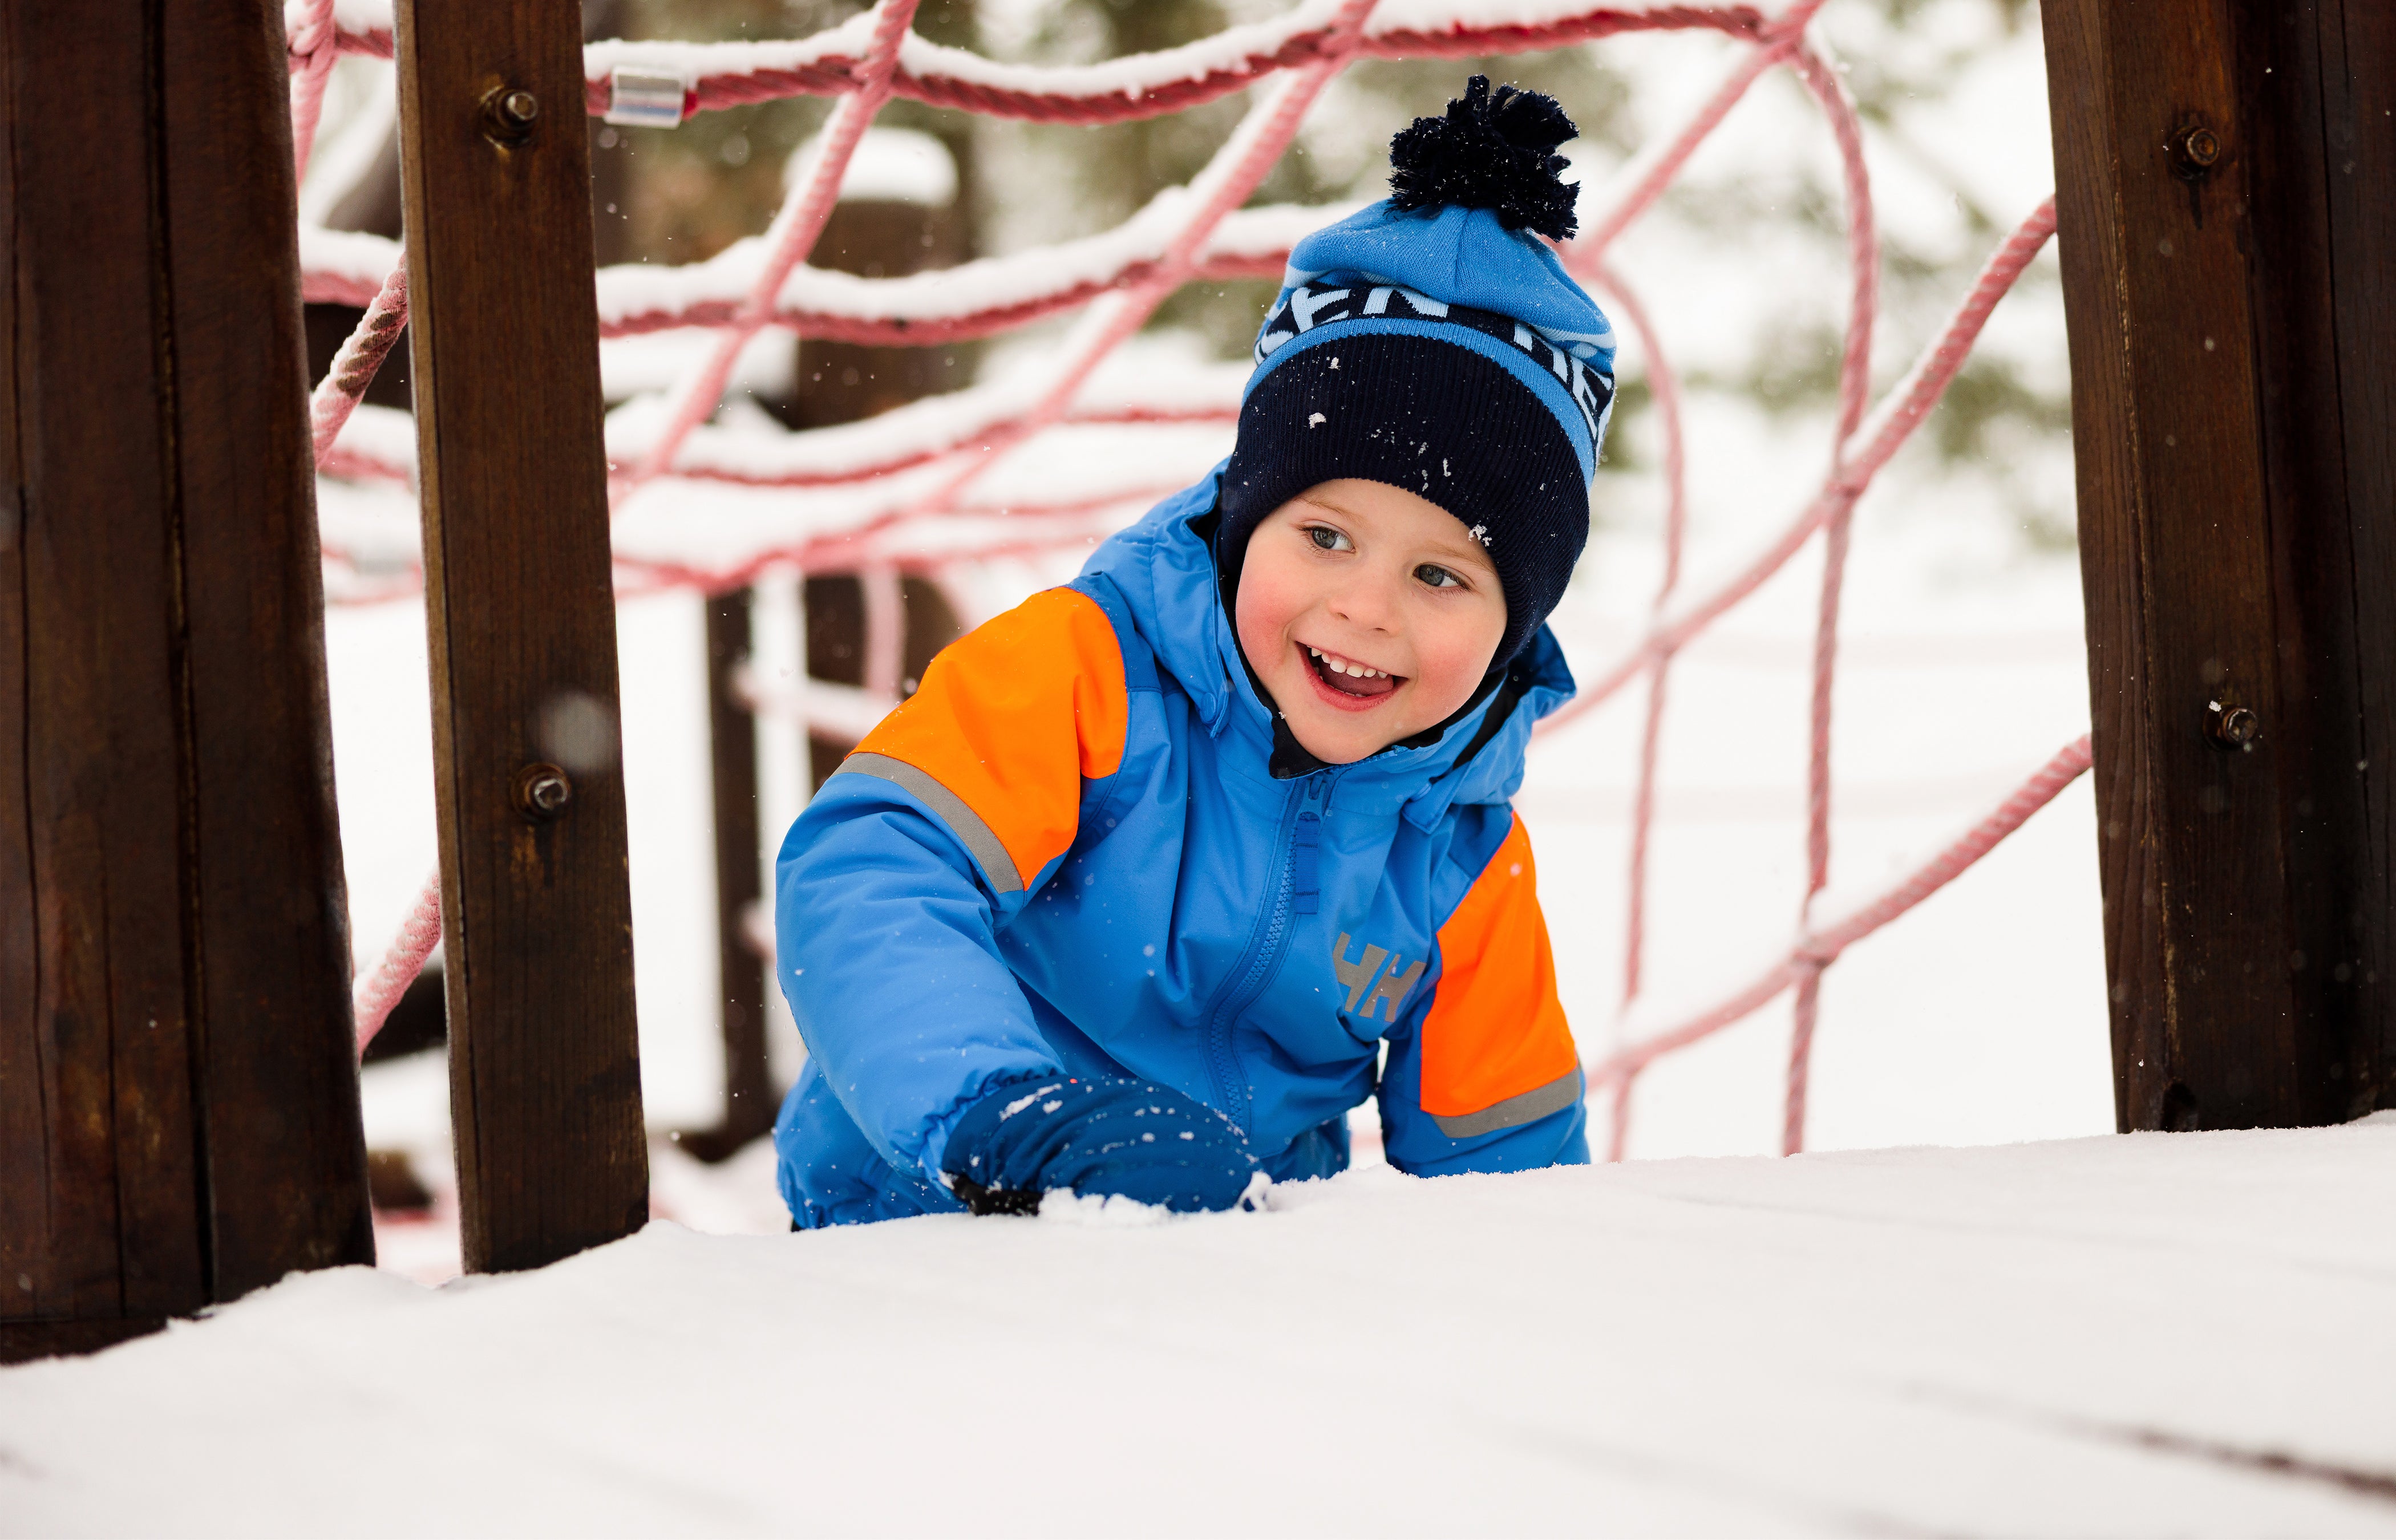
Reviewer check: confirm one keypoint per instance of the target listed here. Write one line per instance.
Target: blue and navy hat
(1433, 343)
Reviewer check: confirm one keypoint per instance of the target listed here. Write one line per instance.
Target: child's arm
(1484, 1075)
(892, 886)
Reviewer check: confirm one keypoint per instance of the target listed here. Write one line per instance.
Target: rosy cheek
(1439, 680)
(1452, 666)
(1262, 614)
(1268, 604)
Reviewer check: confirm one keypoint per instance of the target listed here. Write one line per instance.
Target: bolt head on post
(509, 114)
(543, 793)
(2232, 727)
(2195, 149)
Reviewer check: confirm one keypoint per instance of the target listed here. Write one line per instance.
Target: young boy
(1161, 873)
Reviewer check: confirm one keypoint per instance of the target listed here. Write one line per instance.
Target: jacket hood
(1166, 574)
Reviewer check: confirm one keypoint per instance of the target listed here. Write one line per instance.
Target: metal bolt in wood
(543, 791)
(509, 114)
(2231, 726)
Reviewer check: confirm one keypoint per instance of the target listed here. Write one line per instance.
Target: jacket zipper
(1264, 955)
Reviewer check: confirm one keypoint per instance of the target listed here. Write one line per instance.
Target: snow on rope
(914, 465)
(840, 60)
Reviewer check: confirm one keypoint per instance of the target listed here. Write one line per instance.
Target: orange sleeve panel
(1496, 1030)
(1012, 717)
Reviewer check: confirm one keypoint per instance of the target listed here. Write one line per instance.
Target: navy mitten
(1123, 1138)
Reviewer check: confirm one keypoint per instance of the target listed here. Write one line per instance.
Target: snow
(892, 165)
(343, 266)
(1230, 51)
(640, 296)
(845, 44)
(351, 16)
(2154, 1334)
(348, 267)
(1391, 17)
(653, 361)
(1236, 49)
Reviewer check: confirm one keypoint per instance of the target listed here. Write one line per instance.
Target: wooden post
(2226, 204)
(179, 1107)
(749, 1106)
(545, 1085)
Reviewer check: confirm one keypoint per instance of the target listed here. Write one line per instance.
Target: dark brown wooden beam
(179, 1112)
(749, 1103)
(2318, 82)
(2224, 181)
(279, 1075)
(538, 937)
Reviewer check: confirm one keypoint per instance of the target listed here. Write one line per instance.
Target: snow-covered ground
(2157, 1334)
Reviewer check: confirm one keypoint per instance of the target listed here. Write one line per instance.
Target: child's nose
(1369, 604)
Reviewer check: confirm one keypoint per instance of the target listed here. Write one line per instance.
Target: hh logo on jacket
(1394, 985)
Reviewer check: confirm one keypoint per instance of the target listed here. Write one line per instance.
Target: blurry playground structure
(2231, 376)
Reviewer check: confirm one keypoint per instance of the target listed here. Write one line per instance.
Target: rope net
(1117, 279)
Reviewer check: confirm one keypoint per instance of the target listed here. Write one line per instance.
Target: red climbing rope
(927, 455)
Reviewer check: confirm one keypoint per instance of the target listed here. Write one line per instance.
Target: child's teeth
(1353, 670)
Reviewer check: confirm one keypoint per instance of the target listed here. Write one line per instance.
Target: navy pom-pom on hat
(1492, 152)
(1433, 342)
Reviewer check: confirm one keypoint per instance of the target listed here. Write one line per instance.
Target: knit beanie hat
(1433, 343)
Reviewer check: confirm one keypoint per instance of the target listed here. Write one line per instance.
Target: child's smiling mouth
(1345, 683)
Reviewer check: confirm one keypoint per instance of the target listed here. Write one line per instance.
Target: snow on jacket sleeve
(892, 886)
(1485, 1076)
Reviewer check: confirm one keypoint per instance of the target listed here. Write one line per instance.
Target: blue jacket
(1068, 851)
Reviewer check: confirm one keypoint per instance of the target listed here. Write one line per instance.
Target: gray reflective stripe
(1514, 1111)
(962, 821)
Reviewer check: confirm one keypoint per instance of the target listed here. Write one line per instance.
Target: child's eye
(1437, 577)
(1327, 539)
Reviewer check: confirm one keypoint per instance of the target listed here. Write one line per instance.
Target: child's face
(1353, 576)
